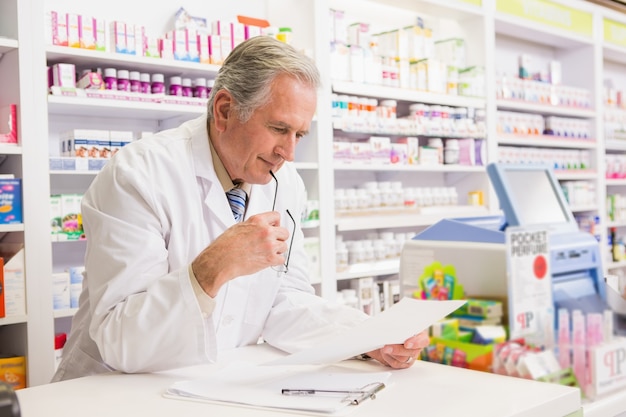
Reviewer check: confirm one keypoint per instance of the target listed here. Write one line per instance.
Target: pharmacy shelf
(582, 174)
(7, 149)
(370, 269)
(13, 320)
(81, 106)
(425, 216)
(584, 207)
(17, 227)
(7, 45)
(617, 182)
(538, 33)
(546, 141)
(545, 109)
(339, 166)
(383, 92)
(66, 312)
(90, 58)
(615, 145)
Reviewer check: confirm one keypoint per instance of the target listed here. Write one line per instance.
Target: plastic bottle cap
(175, 80)
(210, 83)
(157, 78)
(186, 82)
(110, 72)
(200, 82)
(134, 75)
(122, 74)
(145, 77)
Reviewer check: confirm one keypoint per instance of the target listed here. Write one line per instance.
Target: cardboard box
(13, 371)
(8, 124)
(10, 201)
(14, 285)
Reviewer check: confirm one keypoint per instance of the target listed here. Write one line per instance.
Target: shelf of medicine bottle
(100, 107)
(87, 58)
(402, 94)
(398, 218)
(575, 174)
(7, 45)
(370, 269)
(13, 320)
(544, 109)
(65, 312)
(546, 141)
(339, 166)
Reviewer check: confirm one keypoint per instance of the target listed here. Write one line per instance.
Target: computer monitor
(530, 195)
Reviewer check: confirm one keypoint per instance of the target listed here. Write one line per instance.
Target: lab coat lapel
(215, 201)
(260, 199)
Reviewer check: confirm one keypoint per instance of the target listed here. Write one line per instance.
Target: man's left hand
(404, 355)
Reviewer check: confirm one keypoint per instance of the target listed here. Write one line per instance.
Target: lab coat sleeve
(299, 318)
(145, 317)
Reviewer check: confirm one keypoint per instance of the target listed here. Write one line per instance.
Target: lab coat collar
(260, 198)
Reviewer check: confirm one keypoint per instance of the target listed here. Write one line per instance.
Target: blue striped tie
(237, 200)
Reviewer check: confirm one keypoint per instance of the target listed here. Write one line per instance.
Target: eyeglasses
(284, 267)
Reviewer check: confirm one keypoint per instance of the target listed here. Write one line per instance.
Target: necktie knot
(237, 200)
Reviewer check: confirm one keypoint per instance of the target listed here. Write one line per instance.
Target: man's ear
(222, 105)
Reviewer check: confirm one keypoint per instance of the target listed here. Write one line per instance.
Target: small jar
(135, 81)
(199, 88)
(144, 80)
(176, 86)
(186, 87)
(451, 152)
(157, 84)
(437, 143)
(110, 78)
(123, 81)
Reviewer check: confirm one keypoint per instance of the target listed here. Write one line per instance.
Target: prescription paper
(393, 326)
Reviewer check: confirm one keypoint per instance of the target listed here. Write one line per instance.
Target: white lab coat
(145, 222)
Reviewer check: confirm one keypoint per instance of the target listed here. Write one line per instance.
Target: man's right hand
(243, 249)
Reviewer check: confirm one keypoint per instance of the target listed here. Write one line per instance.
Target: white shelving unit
(494, 33)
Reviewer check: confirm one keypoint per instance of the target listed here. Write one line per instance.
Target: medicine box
(13, 371)
(2, 309)
(8, 124)
(60, 291)
(10, 200)
(13, 275)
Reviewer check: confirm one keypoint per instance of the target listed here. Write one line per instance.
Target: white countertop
(426, 389)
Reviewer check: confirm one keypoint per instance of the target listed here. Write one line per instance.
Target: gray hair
(249, 70)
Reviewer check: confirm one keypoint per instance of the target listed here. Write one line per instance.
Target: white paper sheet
(393, 326)
(248, 385)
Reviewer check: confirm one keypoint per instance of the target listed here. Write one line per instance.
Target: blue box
(10, 201)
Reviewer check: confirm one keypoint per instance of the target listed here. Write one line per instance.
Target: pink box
(87, 32)
(58, 25)
(64, 75)
(215, 49)
(179, 43)
(251, 31)
(118, 37)
(73, 32)
(204, 50)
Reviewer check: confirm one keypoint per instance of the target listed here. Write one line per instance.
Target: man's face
(250, 150)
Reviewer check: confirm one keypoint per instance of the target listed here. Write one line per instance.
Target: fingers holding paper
(404, 355)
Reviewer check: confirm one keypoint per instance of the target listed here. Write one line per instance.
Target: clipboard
(321, 390)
